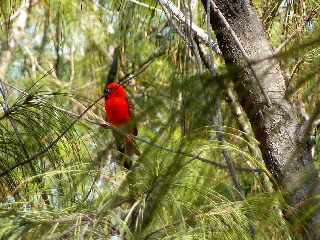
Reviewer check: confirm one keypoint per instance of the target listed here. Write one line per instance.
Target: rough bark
(278, 126)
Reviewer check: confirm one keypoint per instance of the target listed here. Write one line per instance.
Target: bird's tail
(131, 147)
(128, 148)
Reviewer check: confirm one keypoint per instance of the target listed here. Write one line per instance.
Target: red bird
(120, 114)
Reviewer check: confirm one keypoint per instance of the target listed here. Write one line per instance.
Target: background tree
(284, 138)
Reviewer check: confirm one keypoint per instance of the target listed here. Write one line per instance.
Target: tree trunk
(277, 125)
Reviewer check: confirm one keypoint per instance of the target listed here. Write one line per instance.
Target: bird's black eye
(106, 91)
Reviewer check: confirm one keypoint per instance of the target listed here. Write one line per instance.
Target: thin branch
(206, 60)
(185, 35)
(142, 67)
(181, 18)
(25, 5)
(72, 71)
(57, 42)
(175, 26)
(228, 27)
(6, 108)
(295, 69)
(146, 6)
(217, 120)
(238, 111)
(309, 125)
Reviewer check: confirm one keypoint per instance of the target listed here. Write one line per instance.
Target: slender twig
(312, 123)
(175, 26)
(145, 5)
(180, 17)
(295, 69)
(206, 60)
(185, 35)
(72, 71)
(6, 108)
(217, 120)
(238, 111)
(142, 67)
(35, 64)
(228, 27)
(57, 42)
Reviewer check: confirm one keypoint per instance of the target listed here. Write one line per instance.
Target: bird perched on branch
(119, 113)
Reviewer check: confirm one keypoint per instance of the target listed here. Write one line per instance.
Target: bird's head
(114, 90)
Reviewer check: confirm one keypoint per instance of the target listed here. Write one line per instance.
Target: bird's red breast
(117, 105)
(119, 114)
